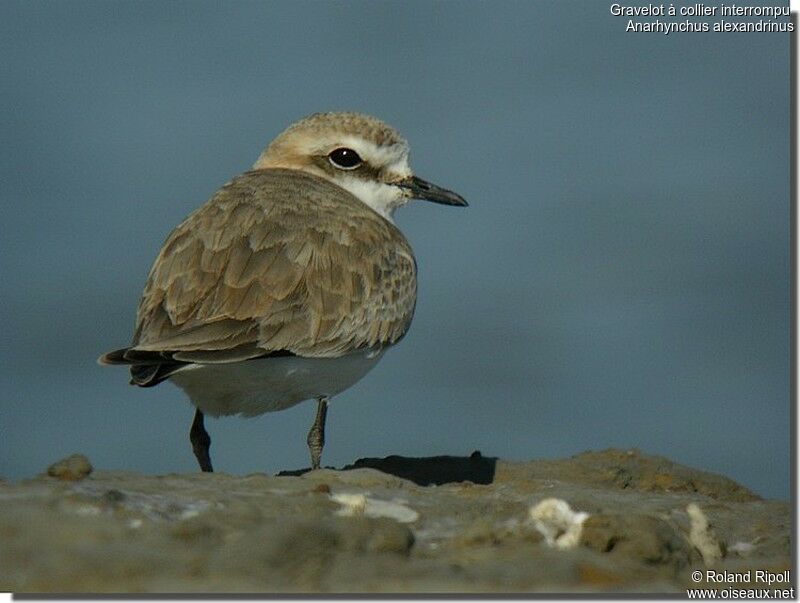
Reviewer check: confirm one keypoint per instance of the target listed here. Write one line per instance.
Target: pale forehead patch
(392, 158)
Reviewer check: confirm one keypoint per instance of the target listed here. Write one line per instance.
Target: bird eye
(343, 158)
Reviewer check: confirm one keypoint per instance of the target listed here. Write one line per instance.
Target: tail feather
(148, 375)
(115, 357)
(149, 368)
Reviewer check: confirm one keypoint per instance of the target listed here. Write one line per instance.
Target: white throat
(383, 198)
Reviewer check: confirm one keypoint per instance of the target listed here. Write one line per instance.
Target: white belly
(254, 387)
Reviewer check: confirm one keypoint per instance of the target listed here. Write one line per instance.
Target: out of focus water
(620, 279)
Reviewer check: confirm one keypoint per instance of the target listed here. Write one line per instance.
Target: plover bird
(290, 283)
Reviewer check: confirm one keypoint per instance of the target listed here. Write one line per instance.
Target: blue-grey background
(621, 278)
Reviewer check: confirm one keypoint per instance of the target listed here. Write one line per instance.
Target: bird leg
(201, 442)
(316, 435)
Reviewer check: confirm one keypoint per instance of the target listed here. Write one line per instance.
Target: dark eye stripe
(344, 158)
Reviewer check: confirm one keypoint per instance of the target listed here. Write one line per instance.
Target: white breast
(257, 386)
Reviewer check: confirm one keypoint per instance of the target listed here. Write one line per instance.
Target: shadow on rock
(429, 470)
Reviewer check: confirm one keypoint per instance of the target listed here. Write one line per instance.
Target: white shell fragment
(701, 535)
(743, 549)
(558, 523)
(359, 504)
(352, 504)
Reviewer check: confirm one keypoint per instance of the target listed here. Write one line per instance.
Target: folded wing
(276, 262)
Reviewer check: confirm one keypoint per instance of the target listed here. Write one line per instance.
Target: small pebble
(72, 468)
(113, 497)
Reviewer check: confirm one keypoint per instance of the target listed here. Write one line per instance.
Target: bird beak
(420, 189)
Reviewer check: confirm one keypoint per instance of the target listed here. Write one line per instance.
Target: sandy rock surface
(599, 521)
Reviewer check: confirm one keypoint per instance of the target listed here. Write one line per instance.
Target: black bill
(420, 189)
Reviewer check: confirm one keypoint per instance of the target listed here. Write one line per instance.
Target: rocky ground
(610, 521)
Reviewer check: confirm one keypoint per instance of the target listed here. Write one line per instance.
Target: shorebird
(289, 283)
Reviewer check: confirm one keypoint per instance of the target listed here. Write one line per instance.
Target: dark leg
(201, 442)
(316, 435)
